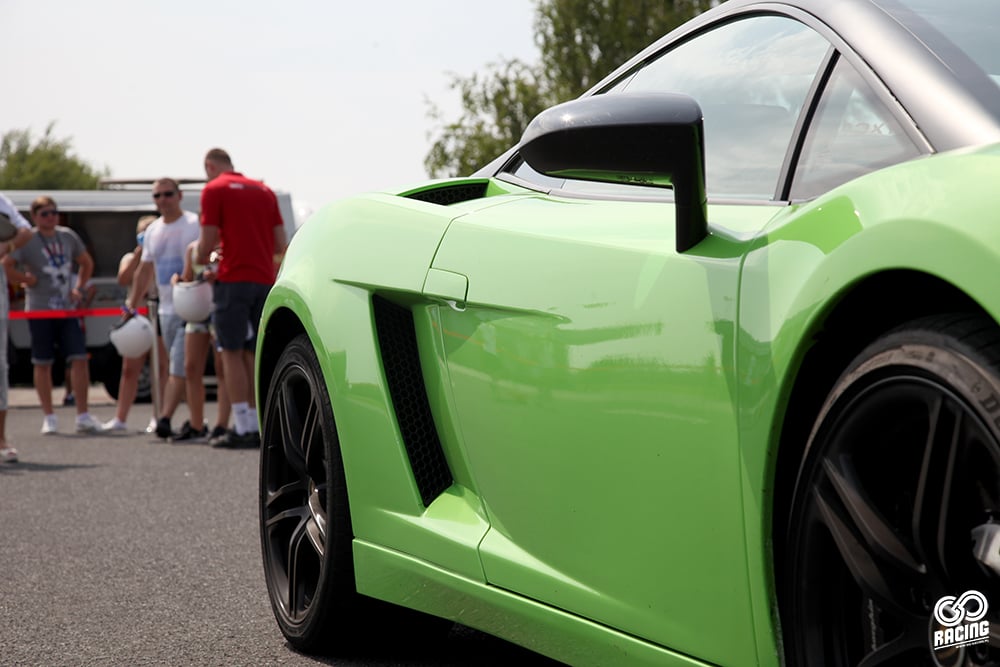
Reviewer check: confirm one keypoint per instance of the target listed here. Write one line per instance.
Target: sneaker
(87, 424)
(114, 425)
(8, 455)
(69, 400)
(151, 428)
(217, 432)
(233, 440)
(190, 433)
(50, 425)
(163, 429)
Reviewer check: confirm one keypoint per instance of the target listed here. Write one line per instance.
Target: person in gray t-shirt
(47, 273)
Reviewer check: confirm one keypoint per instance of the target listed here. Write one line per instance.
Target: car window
(968, 25)
(751, 78)
(851, 134)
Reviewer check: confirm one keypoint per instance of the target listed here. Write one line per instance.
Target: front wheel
(305, 524)
(892, 550)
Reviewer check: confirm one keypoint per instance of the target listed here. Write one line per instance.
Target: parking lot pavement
(124, 550)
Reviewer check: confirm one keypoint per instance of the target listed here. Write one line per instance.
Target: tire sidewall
(931, 355)
(299, 355)
(934, 355)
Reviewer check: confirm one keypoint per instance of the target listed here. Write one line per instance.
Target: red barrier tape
(64, 314)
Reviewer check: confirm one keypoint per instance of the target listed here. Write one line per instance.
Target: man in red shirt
(240, 217)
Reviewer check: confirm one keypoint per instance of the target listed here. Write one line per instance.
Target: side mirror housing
(653, 139)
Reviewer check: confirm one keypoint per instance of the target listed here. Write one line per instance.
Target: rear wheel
(896, 509)
(110, 376)
(144, 390)
(106, 368)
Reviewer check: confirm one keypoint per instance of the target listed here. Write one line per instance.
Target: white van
(105, 219)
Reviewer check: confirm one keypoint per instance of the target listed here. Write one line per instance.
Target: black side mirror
(654, 139)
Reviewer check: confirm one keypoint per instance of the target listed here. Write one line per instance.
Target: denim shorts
(172, 330)
(197, 327)
(67, 332)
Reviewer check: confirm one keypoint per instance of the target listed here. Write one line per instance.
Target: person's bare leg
(174, 390)
(128, 386)
(248, 362)
(195, 356)
(43, 386)
(81, 384)
(238, 383)
(68, 388)
(237, 379)
(224, 407)
(163, 373)
(173, 394)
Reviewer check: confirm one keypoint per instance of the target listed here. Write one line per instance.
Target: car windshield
(969, 26)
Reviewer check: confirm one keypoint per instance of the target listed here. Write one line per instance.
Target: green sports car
(706, 370)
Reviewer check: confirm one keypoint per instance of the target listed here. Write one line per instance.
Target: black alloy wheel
(144, 390)
(896, 509)
(304, 519)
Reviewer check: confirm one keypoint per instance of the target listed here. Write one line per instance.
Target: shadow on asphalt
(22, 467)
(461, 647)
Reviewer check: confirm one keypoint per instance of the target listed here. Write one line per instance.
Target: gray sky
(320, 98)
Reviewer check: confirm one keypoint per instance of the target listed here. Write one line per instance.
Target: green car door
(589, 353)
(592, 356)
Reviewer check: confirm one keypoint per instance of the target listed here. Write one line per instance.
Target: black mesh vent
(451, 194)
(397, 339)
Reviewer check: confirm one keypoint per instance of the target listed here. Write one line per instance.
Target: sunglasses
(47, 213)
(168, 193)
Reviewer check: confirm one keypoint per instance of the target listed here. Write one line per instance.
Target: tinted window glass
(751, 78)
(970, 25)
(852, 133)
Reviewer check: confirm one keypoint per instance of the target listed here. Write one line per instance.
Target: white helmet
(193, 301)
(134, 338)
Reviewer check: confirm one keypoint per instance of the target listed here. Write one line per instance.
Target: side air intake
(397, 340)
(451, 194)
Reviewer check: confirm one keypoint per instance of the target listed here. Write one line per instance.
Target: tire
(19, 368)
(111, 388)
(144, 390)
(106, 367)
(111, 370)
(305, 520)
(902, 465)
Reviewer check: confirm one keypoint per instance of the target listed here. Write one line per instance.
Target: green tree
(46, 164)
(581, 41)
(497, 107)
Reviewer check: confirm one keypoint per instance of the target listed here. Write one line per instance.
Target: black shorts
(45, 333)
(238, 307)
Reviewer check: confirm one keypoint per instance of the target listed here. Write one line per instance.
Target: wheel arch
(870, 308)
(282, 327)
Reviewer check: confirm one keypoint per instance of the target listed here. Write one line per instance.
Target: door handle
(452, 287)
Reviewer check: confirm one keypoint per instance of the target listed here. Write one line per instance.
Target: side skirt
(401, 579)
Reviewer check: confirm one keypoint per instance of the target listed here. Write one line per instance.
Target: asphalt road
(124, 550)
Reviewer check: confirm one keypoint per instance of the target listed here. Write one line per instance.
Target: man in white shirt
(163, 249)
